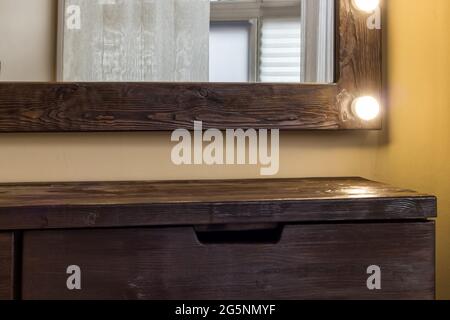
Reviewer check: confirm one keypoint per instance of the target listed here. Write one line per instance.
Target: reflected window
(229, 52)
(280, 50)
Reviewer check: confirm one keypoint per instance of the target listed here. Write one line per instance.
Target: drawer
(6, 266)
(311, 261)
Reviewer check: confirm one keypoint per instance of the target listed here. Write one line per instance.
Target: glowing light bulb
(366, 108)
(366, 5)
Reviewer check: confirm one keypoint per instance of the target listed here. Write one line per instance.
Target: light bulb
(366, 108)
(366, 5)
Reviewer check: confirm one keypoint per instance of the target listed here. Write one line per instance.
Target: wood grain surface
(72, 107)
(6, 266)
(309, 262)
(146, 203)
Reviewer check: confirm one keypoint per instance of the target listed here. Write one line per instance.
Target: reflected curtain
(135, 40)
(318, 32)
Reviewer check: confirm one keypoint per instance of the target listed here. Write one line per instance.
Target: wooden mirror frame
(99, 107)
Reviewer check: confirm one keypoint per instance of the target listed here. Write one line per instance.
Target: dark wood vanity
(237, 239)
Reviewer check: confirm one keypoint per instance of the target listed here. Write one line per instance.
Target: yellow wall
(416, 152)
(413, 153)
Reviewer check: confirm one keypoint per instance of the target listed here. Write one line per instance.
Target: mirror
(270, 41)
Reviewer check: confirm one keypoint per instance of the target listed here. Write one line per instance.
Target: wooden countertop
(149, 203)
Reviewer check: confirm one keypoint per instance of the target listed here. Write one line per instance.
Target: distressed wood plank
(140, 106)
(360, 62)
(309, 262)
(109, 204)
(6, 266)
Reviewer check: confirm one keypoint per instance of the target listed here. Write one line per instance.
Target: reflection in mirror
(272, 41)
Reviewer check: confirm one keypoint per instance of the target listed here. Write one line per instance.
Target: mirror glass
(270, 41)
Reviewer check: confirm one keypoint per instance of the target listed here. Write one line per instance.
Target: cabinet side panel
(6, 266)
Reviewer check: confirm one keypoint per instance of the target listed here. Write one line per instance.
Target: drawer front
(308, 262)
(6, 266)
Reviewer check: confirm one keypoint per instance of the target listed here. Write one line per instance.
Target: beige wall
(413, 153)
(136, 156)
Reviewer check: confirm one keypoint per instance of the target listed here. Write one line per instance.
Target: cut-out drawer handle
(239, 234)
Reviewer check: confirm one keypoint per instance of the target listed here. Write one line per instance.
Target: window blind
(280, 50)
